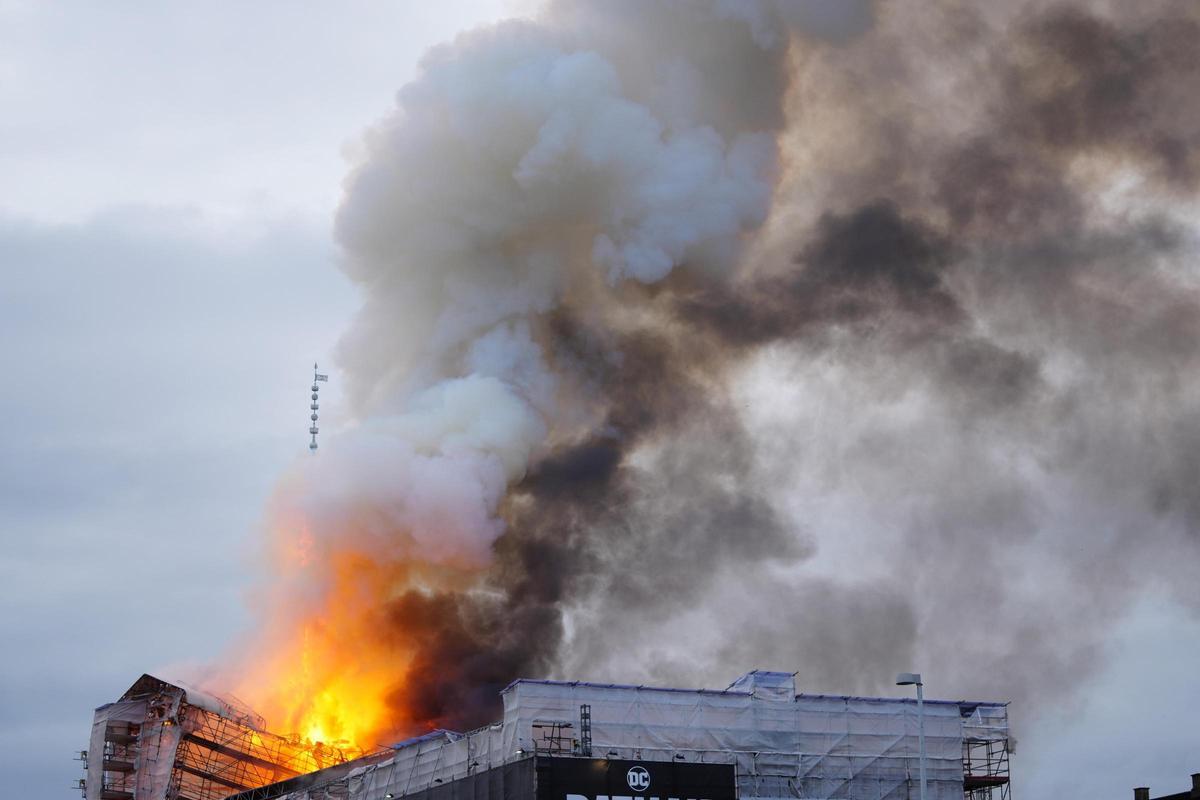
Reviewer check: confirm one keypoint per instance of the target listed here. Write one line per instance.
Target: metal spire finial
(312, 446)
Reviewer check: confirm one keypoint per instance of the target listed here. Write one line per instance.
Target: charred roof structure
(573, 741)
(164, 741)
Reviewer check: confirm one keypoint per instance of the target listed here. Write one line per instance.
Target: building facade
(756, 740)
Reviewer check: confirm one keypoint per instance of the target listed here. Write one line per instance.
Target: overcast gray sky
(168, 174)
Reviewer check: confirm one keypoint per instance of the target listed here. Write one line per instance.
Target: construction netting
(783, 745)
(161, 741)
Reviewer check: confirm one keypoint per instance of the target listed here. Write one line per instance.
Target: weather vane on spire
(312, 446)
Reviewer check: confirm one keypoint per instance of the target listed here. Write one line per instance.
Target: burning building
(166, 741)
(568, 741)
(676, 312)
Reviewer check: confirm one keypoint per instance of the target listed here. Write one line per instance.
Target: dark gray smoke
(961, 257)
(824, 337)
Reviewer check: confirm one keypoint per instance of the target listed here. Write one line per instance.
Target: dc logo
(639, 779)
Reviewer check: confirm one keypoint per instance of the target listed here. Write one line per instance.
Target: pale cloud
(230, 107)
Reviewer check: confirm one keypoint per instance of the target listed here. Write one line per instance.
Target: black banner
(604, 779)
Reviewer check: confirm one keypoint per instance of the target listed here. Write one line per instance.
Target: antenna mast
(312, 446)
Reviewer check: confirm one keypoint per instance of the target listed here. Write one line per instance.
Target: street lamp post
(914, 679)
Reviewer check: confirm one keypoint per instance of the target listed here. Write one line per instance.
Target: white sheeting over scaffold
(784, 745)
(156, 748)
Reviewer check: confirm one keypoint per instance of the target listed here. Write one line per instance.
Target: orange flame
(329, 665)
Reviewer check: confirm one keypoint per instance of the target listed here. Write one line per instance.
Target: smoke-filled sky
(667, 340)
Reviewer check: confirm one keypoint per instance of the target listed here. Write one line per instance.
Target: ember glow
(341, 656)
(320, 684)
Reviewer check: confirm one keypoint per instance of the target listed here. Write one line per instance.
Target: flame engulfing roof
(164, 740)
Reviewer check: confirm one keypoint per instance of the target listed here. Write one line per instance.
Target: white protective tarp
(155, 750)
(783, 745)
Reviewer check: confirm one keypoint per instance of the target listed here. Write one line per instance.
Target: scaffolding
(585, 730)
(164, 742)
(217, 757)
(554, 736)
(782, 744)
(118, 756)
(985, 769)
(985, 751)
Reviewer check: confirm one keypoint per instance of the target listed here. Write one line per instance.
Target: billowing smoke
(706, 336)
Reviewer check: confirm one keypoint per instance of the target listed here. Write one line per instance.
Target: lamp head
(909, 679)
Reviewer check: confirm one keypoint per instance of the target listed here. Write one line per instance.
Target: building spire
(317, 377)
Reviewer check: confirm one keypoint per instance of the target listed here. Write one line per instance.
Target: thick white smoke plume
(809, 334)
(517, 168)
(527, 164)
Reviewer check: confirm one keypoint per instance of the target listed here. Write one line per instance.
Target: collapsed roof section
(162, 741)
